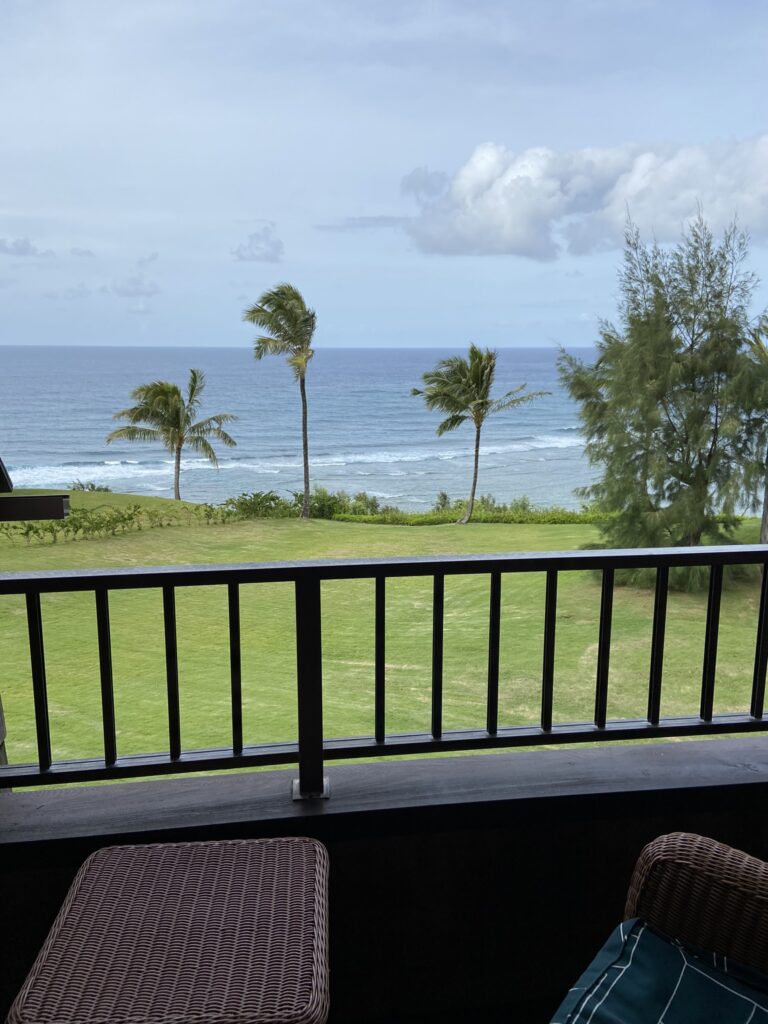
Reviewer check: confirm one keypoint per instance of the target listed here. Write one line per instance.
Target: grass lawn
(268, 633)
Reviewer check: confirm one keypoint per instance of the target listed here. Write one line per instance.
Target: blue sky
(427, 173)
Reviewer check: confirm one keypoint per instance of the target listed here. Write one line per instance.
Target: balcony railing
(312, 749)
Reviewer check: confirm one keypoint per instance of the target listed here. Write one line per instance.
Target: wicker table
(187, 933)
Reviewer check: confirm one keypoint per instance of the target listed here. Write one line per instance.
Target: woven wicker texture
(704, 893)
(187, 932)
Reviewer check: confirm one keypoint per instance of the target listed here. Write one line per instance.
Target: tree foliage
(163, 415)
(288, 325)
(461, 387)
(759, 348)
(673, 408)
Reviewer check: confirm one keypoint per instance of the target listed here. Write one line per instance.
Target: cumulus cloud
(136, 286)
(88, 253)
(424, 184)
(538, 202)
(80, 291)
(363, 223)
(261, 246)
(22, 247)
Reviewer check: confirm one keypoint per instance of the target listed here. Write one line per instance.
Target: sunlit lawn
(268, 638)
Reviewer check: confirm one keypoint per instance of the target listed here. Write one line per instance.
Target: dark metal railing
(312, 749)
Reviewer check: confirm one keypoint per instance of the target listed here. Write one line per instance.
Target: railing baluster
(710, 643)
(761, 650)
(235, 668)
(39, 686)
(309, 676)
(604, 649)
(494, 630)
(438, 603)
(657, 644)
(172, 672)
(311, 750)
(380, 664)
(548, 666)
(105, 675)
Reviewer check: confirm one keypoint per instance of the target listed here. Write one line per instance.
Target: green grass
(268, 637)
(97, 499)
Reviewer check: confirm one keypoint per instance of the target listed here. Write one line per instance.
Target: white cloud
(80, 291)
(539, 201)
(22, 247)
(424, 184)
(347, 224)
(76, 251)
(137, 286)
(261, 246)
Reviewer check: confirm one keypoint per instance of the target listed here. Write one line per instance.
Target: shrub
(325, 504)
(88, 485)
(260, 505)
(487, 510)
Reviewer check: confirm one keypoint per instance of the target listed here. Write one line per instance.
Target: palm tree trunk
(177, 474)
(305, 446)
(471, 503)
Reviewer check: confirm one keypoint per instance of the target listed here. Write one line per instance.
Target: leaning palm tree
(162, 413)
(462, 388)
(288, 325)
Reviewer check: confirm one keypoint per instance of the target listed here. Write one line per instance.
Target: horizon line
(322, 348)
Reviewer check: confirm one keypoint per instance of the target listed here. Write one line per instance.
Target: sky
(427, 173)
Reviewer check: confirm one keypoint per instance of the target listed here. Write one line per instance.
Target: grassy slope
(268, 638)
(95, 499)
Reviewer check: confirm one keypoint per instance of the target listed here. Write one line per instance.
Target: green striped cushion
(642, 977)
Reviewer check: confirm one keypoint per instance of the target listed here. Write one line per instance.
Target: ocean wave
(100, 473)
(524, 444)
(111, 470)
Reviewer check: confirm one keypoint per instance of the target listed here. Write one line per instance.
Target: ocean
(366, 431)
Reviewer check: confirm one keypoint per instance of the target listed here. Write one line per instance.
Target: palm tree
(163, 414)
(462, 388)
(288, 325)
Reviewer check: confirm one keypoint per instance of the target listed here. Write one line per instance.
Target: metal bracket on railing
(296, 793)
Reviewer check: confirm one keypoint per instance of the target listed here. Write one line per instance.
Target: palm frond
(450, 423)
(130, 433)
(211, 427)
(203, 446)
(513, 398)
(299, 362)
(163, 414)
(270, 345)
(195, 387)
(286, 321)
(462, 387)
(213, 421)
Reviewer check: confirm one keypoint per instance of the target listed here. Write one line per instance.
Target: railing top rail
(64, 580)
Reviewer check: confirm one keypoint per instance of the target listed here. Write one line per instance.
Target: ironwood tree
(673, 409)
(759, 344)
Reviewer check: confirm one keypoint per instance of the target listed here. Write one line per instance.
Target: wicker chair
(704, 893)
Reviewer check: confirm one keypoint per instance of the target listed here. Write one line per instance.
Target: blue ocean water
(366, 430)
